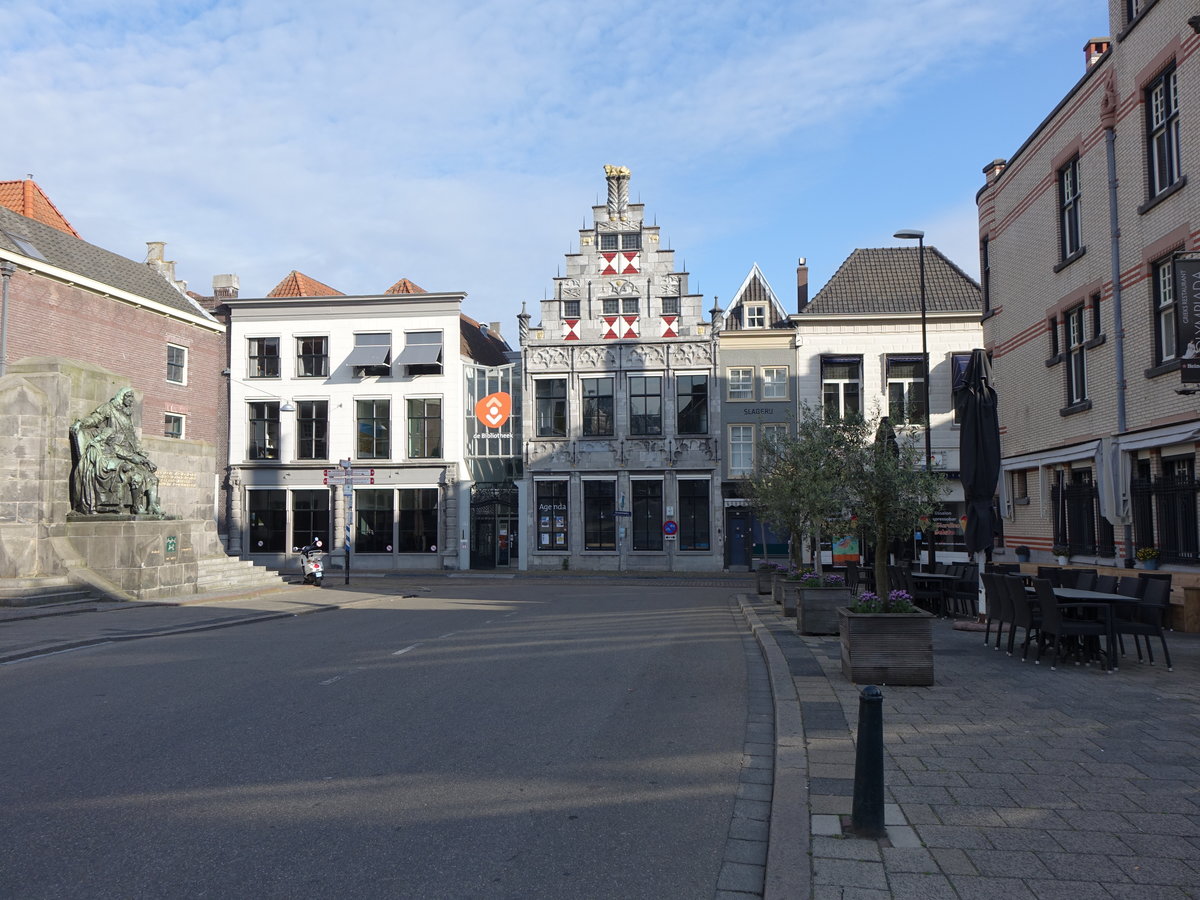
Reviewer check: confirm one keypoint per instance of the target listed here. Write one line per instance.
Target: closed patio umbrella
(979, 450)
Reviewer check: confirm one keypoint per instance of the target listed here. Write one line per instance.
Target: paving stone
(752, 809)
(1083, 866)
(748, 829)
(752, 852)
(1008, 864)
(1102, 842)
(741, 877)
(845, 848)
(972, 888)
(909, 859)
(1021, 839)
(849, 873)
(952, 836)
(906, 886)
(752, 791)
(832, 806)
(826, 825)
(953, 862)
(1032, 818)
(1146, 871)
(979, 816)
(1160, 845)
(1076, 890)
(1168, 823)
(1140, 892)
(903, 836)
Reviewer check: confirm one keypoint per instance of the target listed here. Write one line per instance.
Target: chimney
(225, 287)
(801, 283)
(166, 268)
(1093, 50)
(993, 169)
(494, 328)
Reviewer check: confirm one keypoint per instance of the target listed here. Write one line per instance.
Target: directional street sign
(349, 476)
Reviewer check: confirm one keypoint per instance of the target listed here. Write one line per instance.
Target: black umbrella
(979, 449)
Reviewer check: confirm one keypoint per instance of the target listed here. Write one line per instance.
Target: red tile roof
(29, 200)
(404, 286)
(297, 284)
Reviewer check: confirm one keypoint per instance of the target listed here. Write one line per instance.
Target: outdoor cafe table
(1077, 595)
(942, 582)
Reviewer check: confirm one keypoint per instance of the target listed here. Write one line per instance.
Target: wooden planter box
(777, 583)
(762, 580)
(817, 608)
(886, 648)
(790, 590)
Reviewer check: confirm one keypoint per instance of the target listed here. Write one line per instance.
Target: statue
(112, 472)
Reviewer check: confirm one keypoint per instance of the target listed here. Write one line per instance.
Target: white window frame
(1165, 311)
(913, 387)
(774, 386)
(740, 381)
(756, 315)
(184, 350)
(182, 425)
(1075, 325)
(741, 445)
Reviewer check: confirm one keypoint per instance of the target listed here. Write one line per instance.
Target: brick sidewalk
(1006, 779)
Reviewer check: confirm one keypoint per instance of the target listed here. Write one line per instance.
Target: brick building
(1079, 231)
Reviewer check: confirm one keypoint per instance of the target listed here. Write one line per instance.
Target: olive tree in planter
(886, 641)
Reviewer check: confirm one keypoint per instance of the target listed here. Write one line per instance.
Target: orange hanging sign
(494, 409)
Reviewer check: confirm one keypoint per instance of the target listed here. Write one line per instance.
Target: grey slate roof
(81, 258)
(887, 280)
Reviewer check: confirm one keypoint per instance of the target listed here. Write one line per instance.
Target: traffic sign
(670, 528)
(623, 512)
(349, 476)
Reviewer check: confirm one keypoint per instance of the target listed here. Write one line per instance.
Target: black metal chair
(1147, 619)
(998, 606)
(1085, 580)
(1106, 584)
(1056, 625)
(1052, 574)
(1026, 614)
(964, 593)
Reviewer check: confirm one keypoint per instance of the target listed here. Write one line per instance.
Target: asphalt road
(481, 739)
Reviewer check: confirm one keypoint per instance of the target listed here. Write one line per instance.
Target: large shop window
(691, 404)
(552, 515)
(693, 514)
(310, 517)
(373, 515)
(599, 515)
(647, 514)
(267, 512)
(418, 520)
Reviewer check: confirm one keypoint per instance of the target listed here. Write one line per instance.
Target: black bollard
(866, 818)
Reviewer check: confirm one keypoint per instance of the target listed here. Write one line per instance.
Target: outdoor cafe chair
(1058, 626)
(1146, 619)
(1131, 586)
(1054, 574)
(964, 592)
(1106, 584)
(1085, 580)
(1026, 614)
(998, 606)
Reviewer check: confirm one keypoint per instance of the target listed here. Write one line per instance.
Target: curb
(788, 873)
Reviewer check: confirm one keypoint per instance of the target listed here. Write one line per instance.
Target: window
(373, 515)
(310, 516)
(985, 273)
(691, 404)
(775, 383)
(176, 364)
(1052, 324)
(597, 406)
(906, 390)
(1068, 202)
(629, 306)
(424, 429)
(774, 434)
(267, 514)
(1076, 361)
(374, 428)
(312, 429)
(670, 306)
(264, 357)
(611, 306)
(1162, 123)
(552, 515)
(173, 426)
(958, 368)
(756, 316)
(571, 309)
(372, 355)
(312, 357)
(418, 520)
(599, 515)
(693, 514)
(608, 242)
(264, 430)
(741, 384)
(422, 354)
(647, 521)
(841, 386)
(741, 450)
(551, 397)
(1164, 311)
(631, 241)
(1132, 8)
(645, 404)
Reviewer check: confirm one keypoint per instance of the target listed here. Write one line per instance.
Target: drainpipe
(1108, 118)
(7, 270)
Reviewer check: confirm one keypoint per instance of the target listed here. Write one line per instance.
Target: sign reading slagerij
(1187, 286)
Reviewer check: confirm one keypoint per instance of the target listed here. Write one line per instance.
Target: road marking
(406, 649)
(11, 662)
(447, 634)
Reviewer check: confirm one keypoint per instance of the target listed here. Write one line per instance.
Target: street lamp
(913, 234)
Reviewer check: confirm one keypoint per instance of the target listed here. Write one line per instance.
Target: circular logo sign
(670, 527)
(494, 409)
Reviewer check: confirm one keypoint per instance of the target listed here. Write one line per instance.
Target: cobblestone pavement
(1006, 779)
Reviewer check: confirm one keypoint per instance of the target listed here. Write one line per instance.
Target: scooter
(310, 562)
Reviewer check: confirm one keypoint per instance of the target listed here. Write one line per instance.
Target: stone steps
(50, 590)
(228, 573)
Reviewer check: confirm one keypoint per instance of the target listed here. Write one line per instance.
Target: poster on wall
(845, 550)
(1187, 288)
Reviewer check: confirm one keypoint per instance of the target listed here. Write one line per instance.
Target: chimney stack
(225, 287)
(993, 169)
(494, 328)
(1093, 50)
(155, 259)
(801, 284)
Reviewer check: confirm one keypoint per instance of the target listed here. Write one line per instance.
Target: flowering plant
(1021, 550)
(809, 578)
(1145, 553)
(1060, 550)
(897, 602)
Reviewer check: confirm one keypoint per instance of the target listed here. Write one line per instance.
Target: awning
(1160, 437)
(1050, 457)
(420, 355)
(371, 355)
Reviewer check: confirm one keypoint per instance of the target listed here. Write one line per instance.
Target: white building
(316, 377)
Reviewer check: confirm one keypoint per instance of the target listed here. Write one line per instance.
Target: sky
(462, 144)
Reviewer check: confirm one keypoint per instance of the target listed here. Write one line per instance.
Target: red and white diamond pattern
(570, 330)
(620, 327)
(619, 263)
(668, 326)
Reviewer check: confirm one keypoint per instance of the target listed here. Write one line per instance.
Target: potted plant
(763, 573)
(886, 641)
(815, 600)
(777, 579)
(1022, 553)
(1148, 557)
(1061, 552)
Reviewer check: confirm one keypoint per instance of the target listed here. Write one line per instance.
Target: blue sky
(462, 144)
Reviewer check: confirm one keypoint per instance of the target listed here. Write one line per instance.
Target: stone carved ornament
(549, 358)
(692, 354)
(569, 287)
(647, 356)
(596, 358)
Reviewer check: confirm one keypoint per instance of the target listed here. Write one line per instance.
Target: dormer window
(422, 353)
(372, 355)
(756, 316)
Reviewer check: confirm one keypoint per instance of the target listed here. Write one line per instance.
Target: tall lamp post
(913, 234)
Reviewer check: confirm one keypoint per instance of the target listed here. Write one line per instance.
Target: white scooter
(310, 562)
